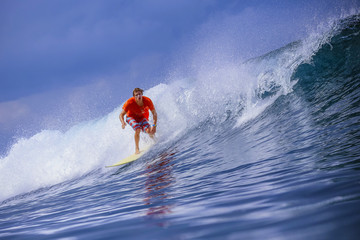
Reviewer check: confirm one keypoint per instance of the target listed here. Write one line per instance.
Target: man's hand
(123, 125)
(153, 130)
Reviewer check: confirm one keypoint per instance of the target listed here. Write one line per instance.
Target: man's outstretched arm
(153, 128)
(121, 117)
(154, 113)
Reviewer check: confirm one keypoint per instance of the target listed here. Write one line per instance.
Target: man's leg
(137, 140)
(137, 129)
(147, 128)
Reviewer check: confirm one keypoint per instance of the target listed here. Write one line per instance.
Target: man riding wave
(137, 115)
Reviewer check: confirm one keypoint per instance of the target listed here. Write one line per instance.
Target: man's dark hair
(137, 90)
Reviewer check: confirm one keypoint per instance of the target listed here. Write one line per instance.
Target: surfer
(137, 115)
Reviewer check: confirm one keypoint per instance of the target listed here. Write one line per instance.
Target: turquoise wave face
(330, 83)
(336, 61)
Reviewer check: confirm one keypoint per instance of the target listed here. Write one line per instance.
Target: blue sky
(69, 60)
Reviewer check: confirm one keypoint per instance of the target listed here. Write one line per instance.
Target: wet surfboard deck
(131, 158)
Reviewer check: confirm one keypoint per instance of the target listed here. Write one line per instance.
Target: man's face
(138, 95)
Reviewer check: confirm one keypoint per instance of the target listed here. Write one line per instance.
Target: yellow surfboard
(131, 158)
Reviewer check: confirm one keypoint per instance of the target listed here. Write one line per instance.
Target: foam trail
(52, 157)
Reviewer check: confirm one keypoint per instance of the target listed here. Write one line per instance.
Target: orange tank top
(137, 112)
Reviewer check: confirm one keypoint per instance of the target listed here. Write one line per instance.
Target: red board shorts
(143, 124)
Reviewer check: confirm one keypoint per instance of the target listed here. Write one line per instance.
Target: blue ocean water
(267, 149)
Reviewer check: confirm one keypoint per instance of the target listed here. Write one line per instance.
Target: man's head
(137, 93)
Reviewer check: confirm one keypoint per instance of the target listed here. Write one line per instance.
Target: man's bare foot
(137, 151)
